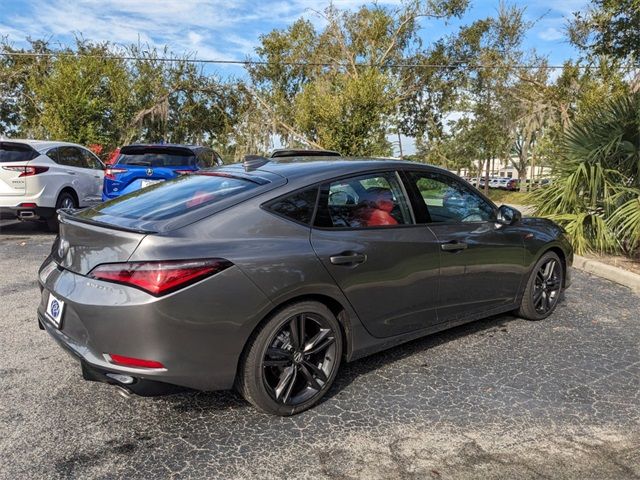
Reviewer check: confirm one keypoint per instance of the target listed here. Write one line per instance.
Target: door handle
(96, 176)
(453, 246)
(348, 259)
(70, 173)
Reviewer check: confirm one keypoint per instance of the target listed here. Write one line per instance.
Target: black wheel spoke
(285, 383)
(301, 330)
(317, 338)
(321, 347)
(311, 381)
(537, 296)
(294, 338)
(316, 370)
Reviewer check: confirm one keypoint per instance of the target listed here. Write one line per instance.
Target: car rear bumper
(26, 213)
(95, 373)
(197, 333)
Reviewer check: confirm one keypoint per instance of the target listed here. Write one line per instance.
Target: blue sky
(229, 29)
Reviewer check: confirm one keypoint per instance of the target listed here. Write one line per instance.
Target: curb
(614, 274)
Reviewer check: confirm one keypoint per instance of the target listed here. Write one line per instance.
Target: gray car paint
(199, 332)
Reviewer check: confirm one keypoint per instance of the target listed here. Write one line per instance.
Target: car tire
(543, 289)
(65, 200)
(284, 376)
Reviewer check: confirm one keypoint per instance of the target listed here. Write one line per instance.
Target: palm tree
(595, 193)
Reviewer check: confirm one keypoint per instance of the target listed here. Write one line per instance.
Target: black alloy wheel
(293, 359)
(300, 359)
(547, 286)
(543, 288)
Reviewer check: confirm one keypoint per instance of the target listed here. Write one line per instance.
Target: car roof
(42, 145)
(313, 169)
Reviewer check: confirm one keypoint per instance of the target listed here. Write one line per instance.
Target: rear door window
(373, 200)
(15, 152)
(173, 198)
(70, 157)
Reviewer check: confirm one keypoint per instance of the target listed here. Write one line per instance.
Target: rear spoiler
(66, 215)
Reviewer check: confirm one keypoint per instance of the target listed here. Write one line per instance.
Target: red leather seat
(377, 209)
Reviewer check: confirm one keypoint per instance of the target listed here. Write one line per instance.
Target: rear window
(173, 198)
(14, 152)
(158, 158)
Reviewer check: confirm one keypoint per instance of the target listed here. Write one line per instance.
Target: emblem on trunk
(149, 172)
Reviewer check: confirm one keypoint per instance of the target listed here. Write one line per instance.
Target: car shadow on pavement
(349, 372)
(18, 228)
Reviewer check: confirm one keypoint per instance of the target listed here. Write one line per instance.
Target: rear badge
(149, 171)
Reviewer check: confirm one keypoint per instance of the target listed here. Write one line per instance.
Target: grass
(509, 198)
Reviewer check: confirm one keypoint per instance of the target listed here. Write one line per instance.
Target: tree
(595, 192)
(610, 28)
(340, 87)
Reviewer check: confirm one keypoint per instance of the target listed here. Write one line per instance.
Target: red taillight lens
(110, 173)
(185, 172)
(159, 278)
(27, 205)
(134, 362)
(27, 171)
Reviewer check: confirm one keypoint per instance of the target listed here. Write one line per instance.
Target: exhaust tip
(123, 392)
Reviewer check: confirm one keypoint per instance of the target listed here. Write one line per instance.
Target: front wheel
(292, 361)
(543, 289)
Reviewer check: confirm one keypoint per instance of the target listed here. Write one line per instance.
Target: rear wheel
(292, 361)
(543, 289)
(65, 200)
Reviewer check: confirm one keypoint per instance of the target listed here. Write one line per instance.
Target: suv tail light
(27, 171)
(185, 172)
(159, 278)
(110, 172)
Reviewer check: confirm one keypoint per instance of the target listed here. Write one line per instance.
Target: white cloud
(551, 34)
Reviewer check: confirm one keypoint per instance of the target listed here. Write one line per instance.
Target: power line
(291, 64)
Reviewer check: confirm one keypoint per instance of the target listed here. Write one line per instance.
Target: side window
(298, 206)
(448, 200)
(53, 154)
(91, 161)
(70, 157)
(374, 200)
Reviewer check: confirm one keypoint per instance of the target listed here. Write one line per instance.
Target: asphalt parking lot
(500, 398)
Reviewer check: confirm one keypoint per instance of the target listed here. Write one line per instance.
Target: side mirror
(508, 215)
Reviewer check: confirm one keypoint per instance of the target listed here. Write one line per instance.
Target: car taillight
(133, 362)
(110, 173)
(185, 172)
(159, 278)
(27, 171)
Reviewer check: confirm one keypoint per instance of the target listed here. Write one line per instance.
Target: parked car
(38, 177)
(139, 166)
(269, 275)
(512, 184)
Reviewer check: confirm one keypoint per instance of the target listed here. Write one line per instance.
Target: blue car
(139, 166)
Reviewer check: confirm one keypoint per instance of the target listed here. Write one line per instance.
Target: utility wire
(292, 64)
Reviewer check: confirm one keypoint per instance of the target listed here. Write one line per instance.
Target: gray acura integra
(266, 275)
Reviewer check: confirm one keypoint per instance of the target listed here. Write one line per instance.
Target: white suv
(39, 177)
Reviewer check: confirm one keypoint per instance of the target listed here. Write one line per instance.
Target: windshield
(173, 198)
